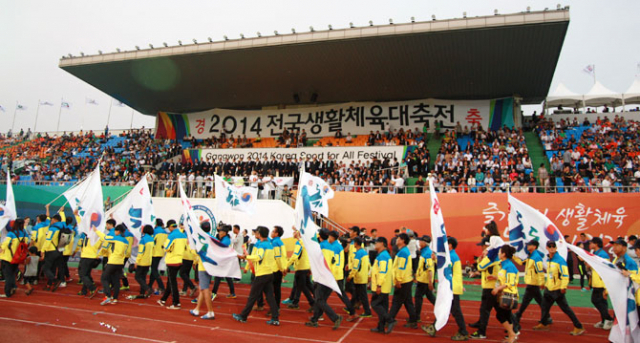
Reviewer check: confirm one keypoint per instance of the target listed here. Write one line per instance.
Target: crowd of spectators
(602, 156)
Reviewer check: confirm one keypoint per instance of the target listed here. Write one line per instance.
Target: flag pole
(594, 74)
(109, 115)
(14, 116)
(131, 125)
(59, 114)
(36, 123)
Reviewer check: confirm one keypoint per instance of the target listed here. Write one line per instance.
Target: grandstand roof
(469, 58)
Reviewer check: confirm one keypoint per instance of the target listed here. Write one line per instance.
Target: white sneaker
(62, 285)
(598, 325)
(607, 325)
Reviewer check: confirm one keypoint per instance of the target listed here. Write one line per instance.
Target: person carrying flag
(280, 255)
(458, 290)
(488, 270)
(127, 263)
(381, 281)
(338, 271)
(403, 281)
(68, 249)
(88, 260)
(424, 276)
(223, 237)
(204, 280)
(52, 256)
(555, 289)
(117, 246)
(359, 275)
(508, 284)
(302, 282)
(265, 265)
(323, 292)
(598, 290)
(533, 278)
(185, 269)
(8, 251)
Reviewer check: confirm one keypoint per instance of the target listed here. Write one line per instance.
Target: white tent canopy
(600, 95)
(562, 96)
(632, 95)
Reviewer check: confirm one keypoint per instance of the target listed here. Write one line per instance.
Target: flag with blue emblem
(526, 223)
(237, 198)
(136, 209)
(218, 259)
(444, 267)
(622, 293)
(320, 270)
(495, 243)
(8, 210)
(86, 198)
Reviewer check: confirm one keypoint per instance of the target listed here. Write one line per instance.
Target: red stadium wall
(604, 215)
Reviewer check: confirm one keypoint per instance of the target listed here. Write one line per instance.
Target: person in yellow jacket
(403, 282)
(15, 235)
(39, 236)
(598, 290)
(69, 248)
(381, 282)
(174, 246)
(458, 289)
(322, 292)
(488, 269)
(143, 262)
(88, 260)
(634, 275)
(265, 266)
(52, 254)
(338, 272)
(159, 236)
(350, 286)
(424, 275)
(507, 283)
(555, 289)
(302, 281)
(128, 235)
(280, 256)
(117, 246)
(185, 269)
(533, 278)
(359, 276)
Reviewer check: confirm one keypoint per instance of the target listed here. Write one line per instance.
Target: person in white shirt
(398, 181)
(237, 240)
(606, 185)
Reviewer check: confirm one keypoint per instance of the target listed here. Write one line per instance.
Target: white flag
(119, 104)
(527, 223)
(590, 69)
(218, 259)
(319, 194)
(229, 197)
(621, 291)
(495, 243)
(309, 230)
(136, 210)
(46, 103)
(91, 101)
(444, 267)
(20, 107)
(1, 109)
(86, 197)
(8, 210)
(65, 104)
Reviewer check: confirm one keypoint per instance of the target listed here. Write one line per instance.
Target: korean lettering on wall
(354, 118)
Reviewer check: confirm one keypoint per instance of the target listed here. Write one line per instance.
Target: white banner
(308, 231)
(8, 210)
(444, 267)
(136, 210)
(338, 154)
(269, 213)
(237, 198)
(355, 118)
(86, 197)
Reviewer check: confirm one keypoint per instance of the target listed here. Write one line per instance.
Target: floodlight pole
(14, 116)
(109, 115)
(59, 114)
(131, 125)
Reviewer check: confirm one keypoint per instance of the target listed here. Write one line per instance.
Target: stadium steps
(433, 144)
(536, 152)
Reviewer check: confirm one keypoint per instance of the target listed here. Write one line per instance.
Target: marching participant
(263, 283)
(117, 246)
(424, 276)
(159, 237)
(323, 292)
(533, 278)
(39, 236)
(52, 255)
(507, 284)
(223, 237)
(338, 270)
(143, 262)
(403, 281)
(88, 260)
(280, 255)
(185, 268)
(555, 289)
(381, 281)
(204, 280)
(598, 290)
(302, 282)
(488, 270)
(359, 275)
(130, 238)
(174, 248)
(8, 254)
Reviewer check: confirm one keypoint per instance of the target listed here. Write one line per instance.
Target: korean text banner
(355, 118)
(607, 215)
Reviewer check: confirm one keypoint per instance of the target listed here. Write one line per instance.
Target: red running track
(64, 316)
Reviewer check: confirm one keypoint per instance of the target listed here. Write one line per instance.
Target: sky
(35, 34)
